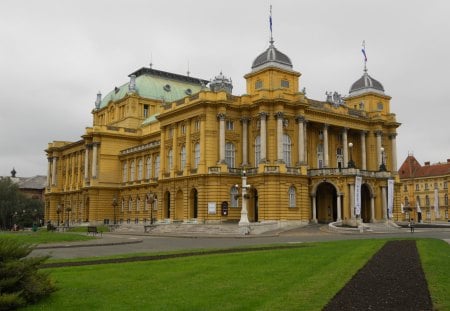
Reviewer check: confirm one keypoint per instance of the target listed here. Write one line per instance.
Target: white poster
(436, 204)
(390, 197)
(358, 182)
(211, 208)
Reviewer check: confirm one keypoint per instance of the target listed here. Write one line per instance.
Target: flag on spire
(270, 21)
(363, 50)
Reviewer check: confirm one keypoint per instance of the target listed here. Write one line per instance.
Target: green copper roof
(159, 85)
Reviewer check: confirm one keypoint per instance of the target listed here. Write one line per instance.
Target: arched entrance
(326, 203)
(193, 211)
(179, 205)
(86, 210)
(166, 205)
(365, 203)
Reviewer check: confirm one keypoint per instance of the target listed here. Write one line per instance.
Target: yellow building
(424, 191)
(168, 148)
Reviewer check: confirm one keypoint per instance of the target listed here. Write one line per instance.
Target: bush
(21, 283)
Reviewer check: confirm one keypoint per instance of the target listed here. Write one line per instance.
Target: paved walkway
(120, 243)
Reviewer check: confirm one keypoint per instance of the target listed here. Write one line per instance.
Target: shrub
(21, 283)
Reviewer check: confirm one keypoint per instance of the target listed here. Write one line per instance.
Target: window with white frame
(140, 169)
(183, 129)
(196, 155)
(286, 149)
(182, 157)
(446, 200)
(417, 187)
(320, 156)
(157, 164)
(234, 192)
(130, 204)
(229, 125)
(292, 199)
(148, 173)
(257, 150)
(170, 159)
(138, 203)
(197, 125)
(125, 171)
(427, 200)
(122, 207)
(132, 170)
(229, 154)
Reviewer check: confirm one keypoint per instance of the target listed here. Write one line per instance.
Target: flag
(270, 19)
(362, 50)
(418, 208)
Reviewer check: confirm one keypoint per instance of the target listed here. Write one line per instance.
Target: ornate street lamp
(382, 165)
(244, 224)
(351, 164)
(115, 204)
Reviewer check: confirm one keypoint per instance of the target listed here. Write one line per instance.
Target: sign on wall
(358, 183)
(390, 206)
(211, 208)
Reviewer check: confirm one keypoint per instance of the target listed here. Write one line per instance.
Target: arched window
(339, 157)
(446, 200)
(229, 154)
(427, 200)
(132, 170)
(157, 163)
(196, 155)
(320, 155)
(234, 196)
(182, 157)
(292, 200)
(122, 207)
(138, 203)
(130, 204)
(170, 159)
(140, 169)
(257, 150)
(406, 201)
(148, 173)
(286, 149)
(125, 172)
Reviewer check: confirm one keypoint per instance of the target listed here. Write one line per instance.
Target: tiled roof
(411, 168)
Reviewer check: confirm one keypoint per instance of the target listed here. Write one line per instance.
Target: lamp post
(58, 211)
(114, 204)
(151, 200)
(244, 224)
(382, 165)
(68, 210)
(351, 164)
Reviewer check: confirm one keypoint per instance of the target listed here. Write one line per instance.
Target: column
(384, 202)
(363, 151)
(162, 154)
(244, 213)
(175, 156)
(301, 139)
(94, 159)
(203, 142)
(305, 149)
(338, 206)
(314, 213)
(86, 163)
(66, 180)
(49, 172)
(73, 179)
(188, 146)
(325, 146)
(392, 137)
(352, 200)
(378, 135)
(372, 209)
(263, 133)
(345, 145)
(244, 121)
(221, 117)
(279, 116)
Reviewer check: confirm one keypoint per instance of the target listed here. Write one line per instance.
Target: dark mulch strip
(392, 279)
(165, 256)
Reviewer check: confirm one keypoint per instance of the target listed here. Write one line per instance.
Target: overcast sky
(55, 55)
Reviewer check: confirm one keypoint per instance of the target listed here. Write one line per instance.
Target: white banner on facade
(358, 182)
(436, 204)
(390, 197)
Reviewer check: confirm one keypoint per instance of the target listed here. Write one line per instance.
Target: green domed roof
(156, 84)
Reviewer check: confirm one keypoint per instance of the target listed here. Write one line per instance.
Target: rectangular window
(284, 83)
(145, 111)
(197, 125)
(258, 84)
(183, 129)
(229, 125)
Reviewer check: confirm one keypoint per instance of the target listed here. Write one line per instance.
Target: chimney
(448, 160)
(427, 163)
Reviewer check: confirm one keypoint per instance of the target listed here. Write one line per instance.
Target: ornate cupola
(271, 58)
(366, 84)
(221, 84)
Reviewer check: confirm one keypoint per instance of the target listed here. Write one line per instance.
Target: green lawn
(44, 236)
(303, 278)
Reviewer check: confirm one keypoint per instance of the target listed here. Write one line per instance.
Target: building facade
(165, 147)
(424, 191)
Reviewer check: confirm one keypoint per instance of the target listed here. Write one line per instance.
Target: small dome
(221, 83)
(366, 84)
(272, 57)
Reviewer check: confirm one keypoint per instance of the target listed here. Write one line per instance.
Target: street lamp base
(244, 228)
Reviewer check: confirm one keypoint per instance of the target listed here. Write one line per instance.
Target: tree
(21, 283)
(16, 208)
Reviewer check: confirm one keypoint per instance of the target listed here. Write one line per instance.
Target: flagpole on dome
(270, 24)
(363, 50)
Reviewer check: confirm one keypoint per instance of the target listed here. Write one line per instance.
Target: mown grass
(435, 258)
(43, 237)
(302, 278)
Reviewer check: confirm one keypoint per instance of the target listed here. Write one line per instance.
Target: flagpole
(270, 24)
(364, 53)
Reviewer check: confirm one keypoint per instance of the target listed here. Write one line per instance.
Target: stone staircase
(188, 229)
(388, 226)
